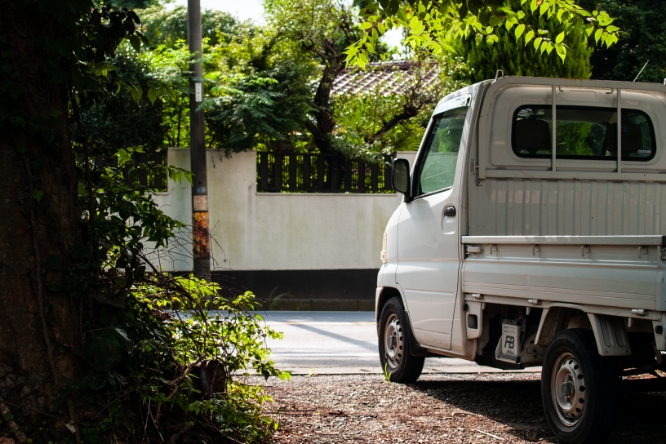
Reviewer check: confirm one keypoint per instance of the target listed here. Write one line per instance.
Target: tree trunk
(324, 123)
(39, 322)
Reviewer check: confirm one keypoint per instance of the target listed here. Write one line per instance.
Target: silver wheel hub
(568, 389)
(393, 341)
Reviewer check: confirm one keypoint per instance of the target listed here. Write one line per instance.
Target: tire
(394, 352)
(579, 388)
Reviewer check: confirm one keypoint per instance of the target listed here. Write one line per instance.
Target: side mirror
(400, 176)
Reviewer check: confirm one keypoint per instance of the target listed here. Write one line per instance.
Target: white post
(619, 131)
(553, 147)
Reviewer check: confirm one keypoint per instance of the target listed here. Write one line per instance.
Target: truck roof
(470, 92)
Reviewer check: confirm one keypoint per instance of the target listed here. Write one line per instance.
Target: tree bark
(39, 321)
(324, 123)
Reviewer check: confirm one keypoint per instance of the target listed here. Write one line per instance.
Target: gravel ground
(451, 408)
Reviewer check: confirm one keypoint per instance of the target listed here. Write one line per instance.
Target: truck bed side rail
(567, 240)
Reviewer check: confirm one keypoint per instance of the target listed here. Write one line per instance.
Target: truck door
(428, 233)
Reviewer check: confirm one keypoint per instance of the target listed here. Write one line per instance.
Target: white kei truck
(532, 234)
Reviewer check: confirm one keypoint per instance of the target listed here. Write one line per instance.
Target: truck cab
(531, 233)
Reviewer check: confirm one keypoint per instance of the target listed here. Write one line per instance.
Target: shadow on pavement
(517, 405)
(363, 344)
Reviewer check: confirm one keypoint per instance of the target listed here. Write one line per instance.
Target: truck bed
(617, 273)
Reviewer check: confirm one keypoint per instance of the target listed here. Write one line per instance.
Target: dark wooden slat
(307, 170)
(361, 177)
(277, 169)
(336, 174)
(388, 168)
(320, 173)
(348, 175)
(374, 177)
(292, 171)
(263, 172)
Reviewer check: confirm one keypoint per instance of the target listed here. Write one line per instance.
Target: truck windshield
(438, 169)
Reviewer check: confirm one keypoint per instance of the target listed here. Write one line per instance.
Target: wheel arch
(386, 293)
(609, 332)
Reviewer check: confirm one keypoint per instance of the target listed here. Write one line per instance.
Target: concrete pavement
(341, 343)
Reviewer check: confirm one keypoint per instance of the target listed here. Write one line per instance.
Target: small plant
(177, 352)
(387, 374)
(274, 300)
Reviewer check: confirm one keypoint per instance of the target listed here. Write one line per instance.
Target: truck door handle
(450, 211)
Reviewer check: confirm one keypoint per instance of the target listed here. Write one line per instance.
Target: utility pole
(200, 226)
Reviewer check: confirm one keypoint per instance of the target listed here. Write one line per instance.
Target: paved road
(340, 343)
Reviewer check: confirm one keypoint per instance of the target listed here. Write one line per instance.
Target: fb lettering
(509, 342)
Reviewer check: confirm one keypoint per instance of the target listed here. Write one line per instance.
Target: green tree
(116, 121)
(512, 57)
(170, 66)
(432, 24)
(131, 4)
(315, 36)
(381, 120)
(259, 97)
(319, 32)
(88, 351)
(164, 26)
(643, 38)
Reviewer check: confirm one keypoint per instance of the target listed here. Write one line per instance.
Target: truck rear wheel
(394, 352)
(578, 388)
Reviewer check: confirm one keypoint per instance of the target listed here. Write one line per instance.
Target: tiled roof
(385, 78)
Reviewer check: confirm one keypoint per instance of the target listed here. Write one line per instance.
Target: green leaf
(559, 37)
(597, 35)
(365, 25)
(529, 36)
(37, 195)
(561, 51)
(136, 91)
(519, 30)
(135, 41)
(416, 26)
(537, 42)
(153, 94)
(533, 5)
(543, 8)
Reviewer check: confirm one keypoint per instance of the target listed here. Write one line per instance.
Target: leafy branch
(433, 23)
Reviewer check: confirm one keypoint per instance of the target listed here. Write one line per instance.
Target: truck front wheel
(578, 388)
(394, 353)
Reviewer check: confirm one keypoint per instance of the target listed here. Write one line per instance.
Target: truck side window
(437, 171)
(582, 133)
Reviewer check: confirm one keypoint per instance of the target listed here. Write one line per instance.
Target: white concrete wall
(177, 203)
(276, 231)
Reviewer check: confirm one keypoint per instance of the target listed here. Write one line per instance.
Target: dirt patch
(477, 408)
